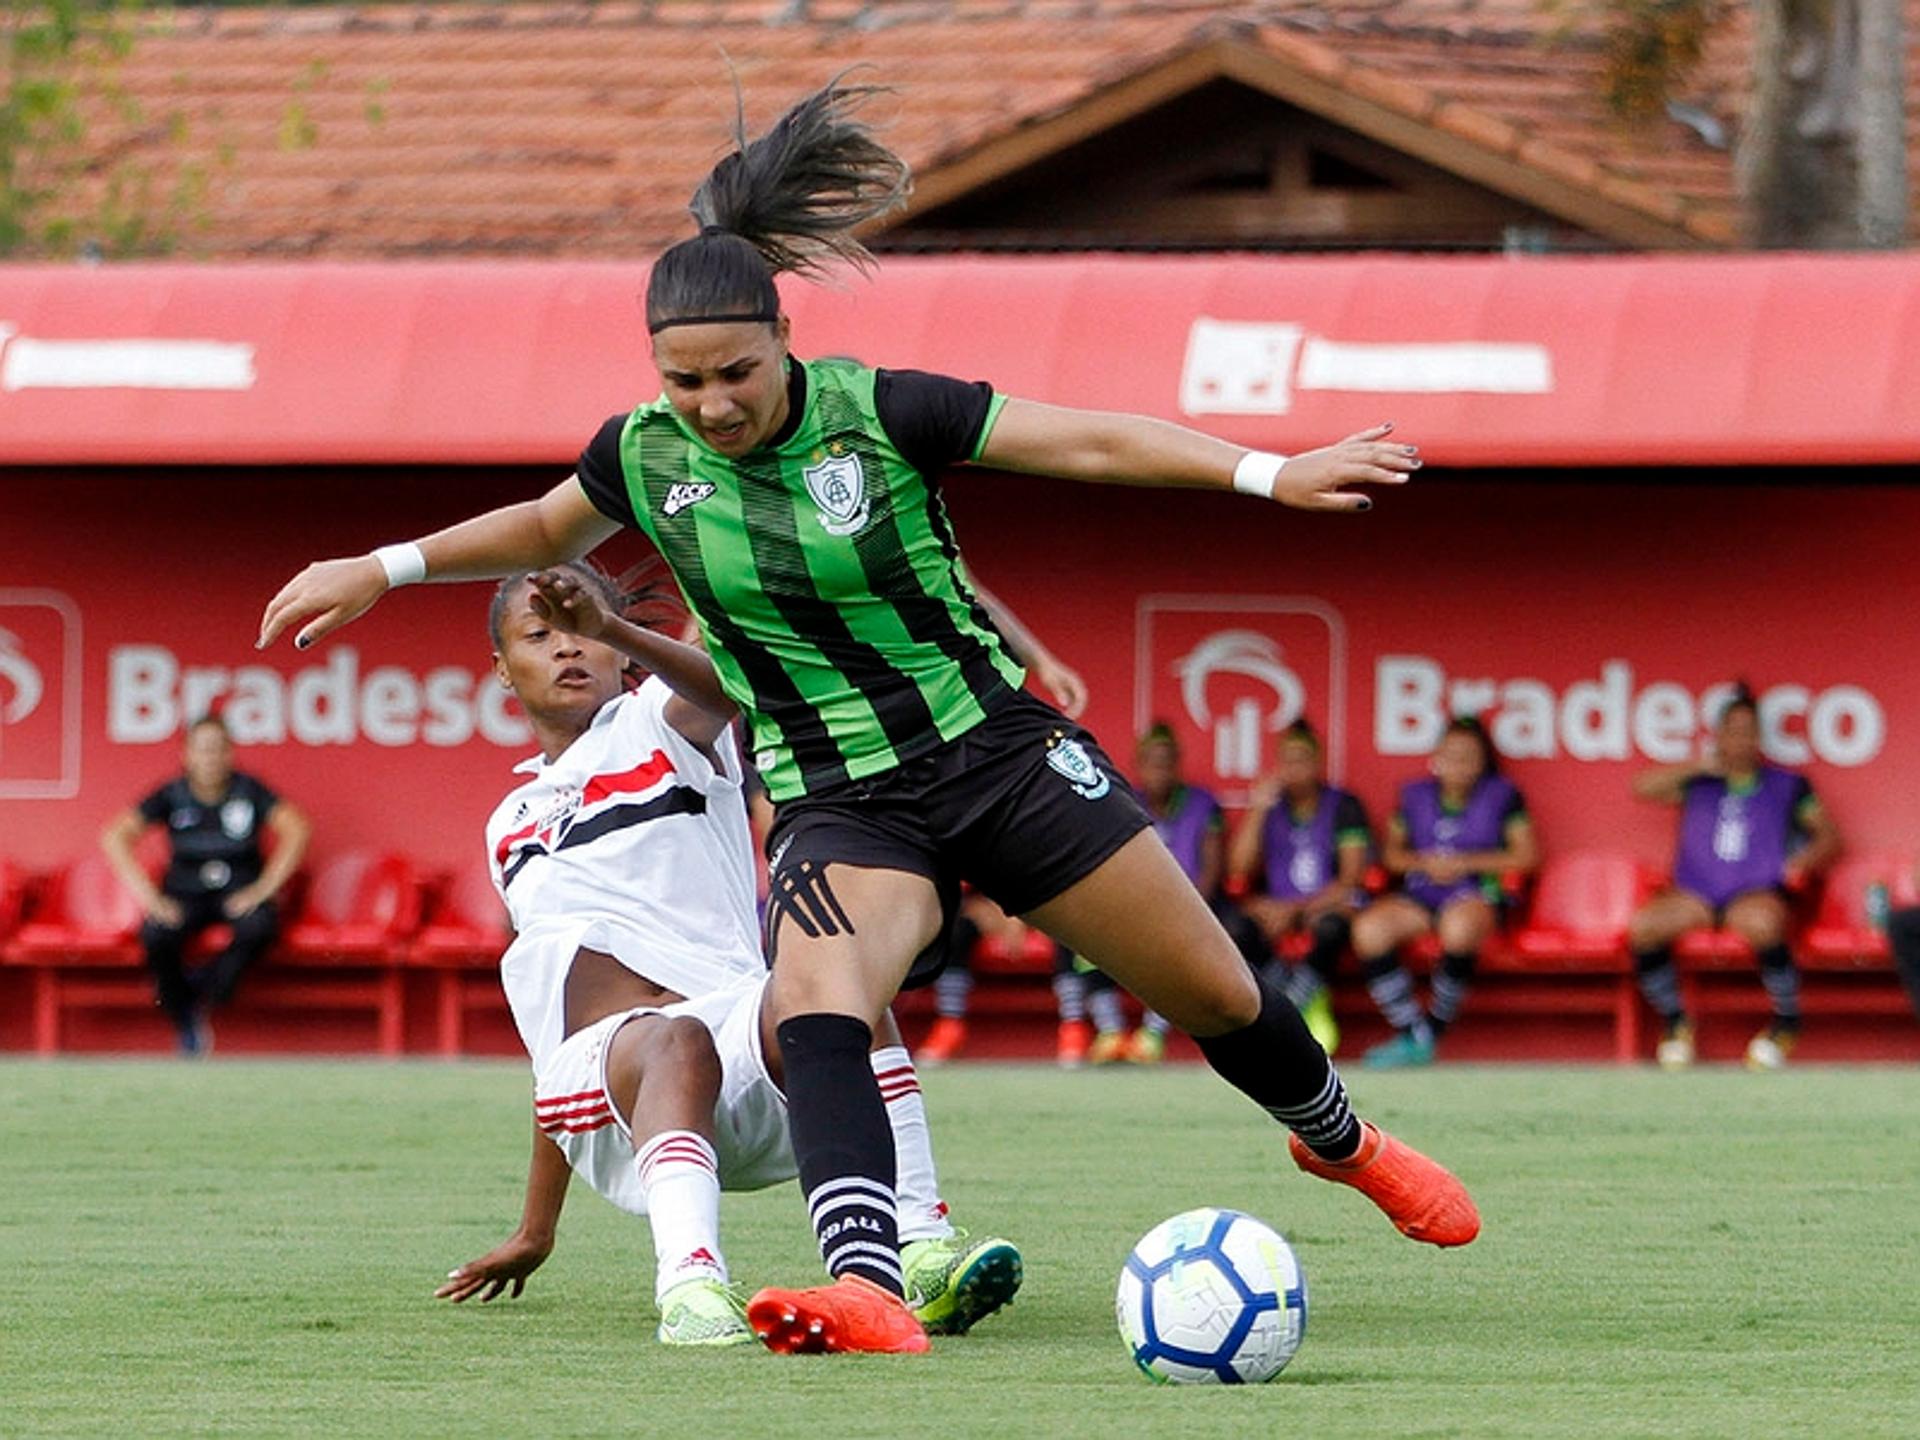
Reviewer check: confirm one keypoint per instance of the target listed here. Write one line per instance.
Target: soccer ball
(1212, 1297)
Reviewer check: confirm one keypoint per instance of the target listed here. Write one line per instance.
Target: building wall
(1597, 610)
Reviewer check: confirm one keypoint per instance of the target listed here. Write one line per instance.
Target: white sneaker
(1769, 1050)
(1675, 1050)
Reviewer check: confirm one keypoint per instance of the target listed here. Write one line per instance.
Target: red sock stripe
(676, 1150)
(898, 1072)
(900, 1091)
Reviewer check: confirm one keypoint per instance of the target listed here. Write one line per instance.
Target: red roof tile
(581, 129)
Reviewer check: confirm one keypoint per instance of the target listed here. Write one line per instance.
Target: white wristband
(405, 564)
(1257, 472)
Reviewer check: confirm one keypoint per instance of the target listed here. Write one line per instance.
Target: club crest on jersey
(1069, 759)
(684, 496)
(838, 485)
(236, 817)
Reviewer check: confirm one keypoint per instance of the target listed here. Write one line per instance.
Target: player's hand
(1443, 869)
(167, 911)
(1063, 683)
(504, 1266)
(1265, 793)
(1315, 480)
(564, 603)
(243, 902)
(326, 595)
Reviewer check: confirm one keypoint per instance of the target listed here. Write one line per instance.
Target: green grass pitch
(241, 1248)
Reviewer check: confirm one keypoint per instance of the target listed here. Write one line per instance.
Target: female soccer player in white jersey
(635, 975)
(797, 503)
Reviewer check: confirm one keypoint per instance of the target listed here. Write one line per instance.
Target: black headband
(769, 316)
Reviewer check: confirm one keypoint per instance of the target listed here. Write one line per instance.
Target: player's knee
(1648, 930)
(1220, 1004)
(683, 1043)
(1760, 927)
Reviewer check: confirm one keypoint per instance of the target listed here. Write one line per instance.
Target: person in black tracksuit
(216, 874)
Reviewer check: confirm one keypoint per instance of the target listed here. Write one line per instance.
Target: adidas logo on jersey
(683, 496)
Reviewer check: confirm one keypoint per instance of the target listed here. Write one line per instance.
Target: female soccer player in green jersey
(797, 505)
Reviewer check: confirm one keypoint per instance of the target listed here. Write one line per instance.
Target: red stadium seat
(1030, 954)
(84, 921)
(13, 896)
(1843, 933)
(85, 915)
(1581, 907)
(461, 944)
(358, 906)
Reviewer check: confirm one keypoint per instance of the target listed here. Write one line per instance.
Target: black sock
(1660, 983)
(1282, 1069)
(1330, 936)
(1450, 983)
(1781, 977)
(842, 1145)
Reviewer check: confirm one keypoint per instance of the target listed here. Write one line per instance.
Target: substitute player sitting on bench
(635, 974)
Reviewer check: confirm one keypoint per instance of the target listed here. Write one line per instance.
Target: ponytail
(785, 203)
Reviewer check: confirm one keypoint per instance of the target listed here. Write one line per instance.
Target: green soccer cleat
(1400, 1053)
(1318, 1013)
(953, 1283)
(703, 1312)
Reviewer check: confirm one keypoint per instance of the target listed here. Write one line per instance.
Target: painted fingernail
(302, 643)
(1413, 449)
(1418, 463)
(1365, 504)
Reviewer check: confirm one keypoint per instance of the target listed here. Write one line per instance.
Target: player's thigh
(1464, 924)
(1139, 919)
(1387, 924)
(845, 945)
(1666, 917)
(1758, 917)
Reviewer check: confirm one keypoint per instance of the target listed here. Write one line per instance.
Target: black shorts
(1022, 807)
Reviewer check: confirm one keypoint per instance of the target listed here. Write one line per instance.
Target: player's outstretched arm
(560, 525)
(700, 709)
(1036, 439)
(509, 1264)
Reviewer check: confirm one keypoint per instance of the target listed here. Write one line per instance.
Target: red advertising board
(1590, 620)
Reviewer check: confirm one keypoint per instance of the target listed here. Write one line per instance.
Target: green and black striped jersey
(822, 568)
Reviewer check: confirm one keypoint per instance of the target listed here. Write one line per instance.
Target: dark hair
(1303, 731)
(1158, 733)
(785, 203)
(1470, 725)
(611, 593)
(1741, 699)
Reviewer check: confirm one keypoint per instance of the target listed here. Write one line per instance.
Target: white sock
(923, 1214)
(681, 1176)
(1108, 1013)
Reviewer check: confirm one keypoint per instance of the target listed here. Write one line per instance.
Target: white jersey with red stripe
(632, 843)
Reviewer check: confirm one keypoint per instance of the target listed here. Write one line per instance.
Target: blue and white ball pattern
(1212, 1297)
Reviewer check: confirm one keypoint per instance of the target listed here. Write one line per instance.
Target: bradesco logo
(151, 696)
(39, 695)
(1228, 673)
(1613, 717)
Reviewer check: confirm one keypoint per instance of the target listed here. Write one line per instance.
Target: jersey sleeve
(1805, 805)
(155, 808)
(603, 477)
(646, 712)
(1350, 822)
(934, 421)
(262, 795)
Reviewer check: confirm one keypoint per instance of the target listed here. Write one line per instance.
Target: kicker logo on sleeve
(684, 496)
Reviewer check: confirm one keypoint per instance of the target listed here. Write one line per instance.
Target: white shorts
(749, 1119)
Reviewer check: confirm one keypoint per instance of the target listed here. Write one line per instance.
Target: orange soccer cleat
(946, 1039)
(1421, 1197)
(852, 1315)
